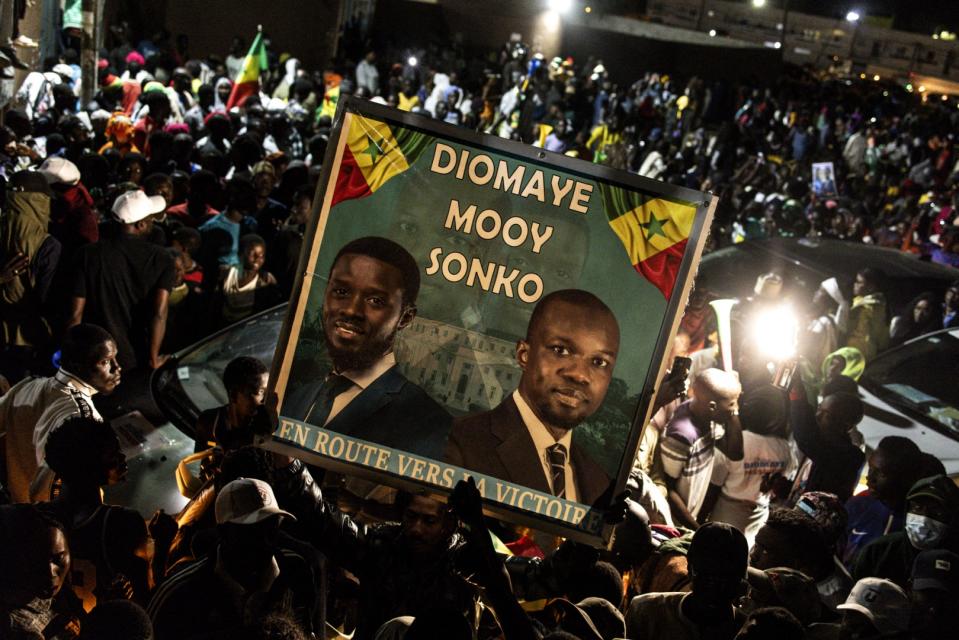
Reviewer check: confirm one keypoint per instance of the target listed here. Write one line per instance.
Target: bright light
(944, 98)
(853, 16)
(560, 6)
(712, 33)
(862, 76)
(588, 9)
(412, 61)
(774, 331)
(922, 89)
(779, 45)
(759, 4)
(876, 78)
(909, 87)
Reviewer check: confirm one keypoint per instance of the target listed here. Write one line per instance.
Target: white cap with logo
(247, 501)
(883, 602)
(59, 170)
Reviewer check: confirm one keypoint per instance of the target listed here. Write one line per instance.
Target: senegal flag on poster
(464, 295)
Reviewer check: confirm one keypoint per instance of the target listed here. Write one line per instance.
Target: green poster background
(460, 349)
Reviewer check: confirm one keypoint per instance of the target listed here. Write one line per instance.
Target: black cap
(30, 181)
(939, 488)
(936, 569)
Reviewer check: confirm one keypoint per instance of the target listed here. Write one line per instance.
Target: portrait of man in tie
(567, 361)
(369, 298)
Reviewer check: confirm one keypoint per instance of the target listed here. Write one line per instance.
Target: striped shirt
(29, 412)
(687, 453)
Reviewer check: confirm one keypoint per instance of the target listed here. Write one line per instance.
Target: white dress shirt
(543, 440)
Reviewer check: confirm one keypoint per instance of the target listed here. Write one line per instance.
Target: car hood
(883, 419)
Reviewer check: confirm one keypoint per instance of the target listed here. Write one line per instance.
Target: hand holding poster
(824, 179)
(470, 307)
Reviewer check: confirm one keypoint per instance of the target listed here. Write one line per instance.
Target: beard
(361, 357)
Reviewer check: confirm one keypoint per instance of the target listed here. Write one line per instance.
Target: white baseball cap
(135, 205)
(247, 501)
(59, 170)
(883, 602)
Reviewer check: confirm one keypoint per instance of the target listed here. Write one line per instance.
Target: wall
(306, 28)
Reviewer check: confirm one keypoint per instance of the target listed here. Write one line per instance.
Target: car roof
(805, 262)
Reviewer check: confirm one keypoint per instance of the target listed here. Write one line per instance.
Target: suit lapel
(368, 402)
(516, 450)
(591, 480)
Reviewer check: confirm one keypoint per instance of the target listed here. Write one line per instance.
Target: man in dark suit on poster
(370, 297)
(567, 360)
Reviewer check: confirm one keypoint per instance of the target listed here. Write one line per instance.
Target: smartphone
(680, 368)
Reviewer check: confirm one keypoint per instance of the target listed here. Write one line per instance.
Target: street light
(560, 6)
(852, 16)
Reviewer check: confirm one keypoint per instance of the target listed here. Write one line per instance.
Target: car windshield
(200, 369)
(921, 377)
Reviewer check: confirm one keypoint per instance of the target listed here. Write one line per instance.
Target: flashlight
(774, 331)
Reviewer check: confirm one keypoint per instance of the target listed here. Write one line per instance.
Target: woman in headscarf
(291, 69)
(221, 94)
(847, 361)
(918, 318)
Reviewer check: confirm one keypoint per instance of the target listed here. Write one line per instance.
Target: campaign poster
(824, 179)
(471, 306)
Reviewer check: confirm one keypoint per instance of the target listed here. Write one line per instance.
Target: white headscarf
(841, 317)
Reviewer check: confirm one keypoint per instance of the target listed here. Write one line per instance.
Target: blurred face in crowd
(180, 267)
(856, 626)
(39, 568)
(862, 287)
(952, 297)
(103, 374)
(253, 258)
(771, 549)
(836, 366)
(301, 211)
(567, 362)
(922, 312)
(164, 189)
(245, 401)
(827, 417)
(247, 547)
(264, 182)
(363, 310)
(426, 524)
(882, 482)
(934, 614)
(223, 91)
(113, 463)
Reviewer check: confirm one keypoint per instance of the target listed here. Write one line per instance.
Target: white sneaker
(25, 41)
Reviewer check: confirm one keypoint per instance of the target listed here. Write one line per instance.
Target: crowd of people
(160, 212)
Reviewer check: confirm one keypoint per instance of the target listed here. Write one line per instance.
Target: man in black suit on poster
(370, 297)
(567, 360)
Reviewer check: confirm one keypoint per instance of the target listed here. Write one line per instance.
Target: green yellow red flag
(374, 154)
(248, 82)
(653, 230)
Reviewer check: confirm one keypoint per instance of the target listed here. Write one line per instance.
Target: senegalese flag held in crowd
(653, 230)
(374, 154)
(248, 82)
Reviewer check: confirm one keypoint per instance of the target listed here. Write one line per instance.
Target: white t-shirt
(762, 456)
